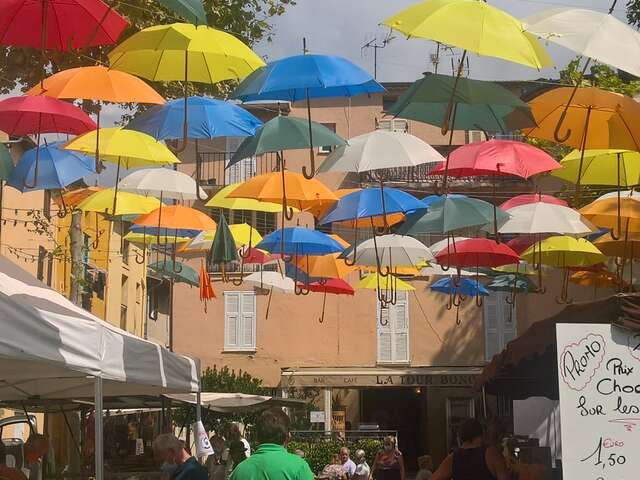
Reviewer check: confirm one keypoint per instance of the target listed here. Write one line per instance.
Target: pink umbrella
(528, 198)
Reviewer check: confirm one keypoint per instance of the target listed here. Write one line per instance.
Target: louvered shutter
(509, 324)
(400, 327)
(231, 319)
(248, 324)
(385, 335)
(491, 326)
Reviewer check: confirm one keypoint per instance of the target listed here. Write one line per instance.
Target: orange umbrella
(206, 289)
(75, 197)
(176, 217)
(325, 266)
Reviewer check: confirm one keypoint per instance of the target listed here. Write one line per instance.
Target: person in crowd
(425, 466)
(347, 463)
(389, 463)
(300, 453)
(472, 461)
(236, 436)
(271, 461)
(219, 465)
(362, 472)
(177, 461)
(334, 470)
(7, 472)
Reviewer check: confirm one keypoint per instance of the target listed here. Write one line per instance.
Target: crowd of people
(473, 460)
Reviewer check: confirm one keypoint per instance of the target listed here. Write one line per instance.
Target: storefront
(424, 405)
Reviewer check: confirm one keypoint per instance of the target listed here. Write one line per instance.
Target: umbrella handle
(35, 168)
(173, 256)
(63, 211)
(246, 252)
(458, 321)
(447, 120)
(346, 260)
(324, 302)
(479, 300)
(240, 280)
(387, 270)
(383, 322)
(556, 133)
(141, 258)
(198, 176)
(185, 124)
(449, 304)
(312, 157)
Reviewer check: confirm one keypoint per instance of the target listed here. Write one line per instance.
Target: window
(476, 136)
(153, 298)
(124, 301)
(458, 410)
(393, 331)
(125, 252)
(499, 323)
(328, 148)
(241, 171)
(239, 321)
(393, 125)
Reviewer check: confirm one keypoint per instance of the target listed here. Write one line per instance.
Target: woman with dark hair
(472, 461)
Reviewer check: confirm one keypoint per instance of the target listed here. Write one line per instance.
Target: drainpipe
(327, 411)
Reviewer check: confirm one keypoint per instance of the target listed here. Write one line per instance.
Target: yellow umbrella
(142, 238)
(222, 200)
(619, 168)
(243, 235)
(128, 203)
(376, 281)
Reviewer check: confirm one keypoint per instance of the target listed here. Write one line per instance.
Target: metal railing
(211, 169)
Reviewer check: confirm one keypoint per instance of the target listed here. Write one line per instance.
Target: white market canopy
(233, 402)
(53, 349)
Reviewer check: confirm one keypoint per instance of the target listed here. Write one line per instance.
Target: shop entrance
(402, 409)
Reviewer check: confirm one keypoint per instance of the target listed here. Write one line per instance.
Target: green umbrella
(477, 104)
(504, 283)
(190, 10)
(181, 273)
(451, 212)
(6, 163)
(223, 248)
(285, 133)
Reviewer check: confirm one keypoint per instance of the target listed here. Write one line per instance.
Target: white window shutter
(491, 326)
(509, 324)
(248, 325)
(401, 328)
(385, 334)
(231, 319)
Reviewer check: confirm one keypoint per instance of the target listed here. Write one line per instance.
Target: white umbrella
(272, 281)
(380, 149)
(541, 217)
(632, 194)
(599, 36)
(442, 244)
(161, 182)
(391, 250)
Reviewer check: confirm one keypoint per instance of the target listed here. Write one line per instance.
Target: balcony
(212, 173)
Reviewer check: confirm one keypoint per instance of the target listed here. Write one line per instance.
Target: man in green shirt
(271, 461)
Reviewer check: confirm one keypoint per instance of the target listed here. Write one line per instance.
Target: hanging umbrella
(437, 270)
(451, 213)
(221, 200)
(621, 215)
(259, 257)
(374, 281)
(127, 204)
(319, 211)
(274, 281)
(206, 288)
(72, 198)
(299, 241)
(466, 287)
(190, 10)
(521, 242)
(332, 286)
(624, 193)
(161, 182)
(243, 235)
(178, 272)
(391, 251)
(176, 216)
(6, 167)
(601, 279)
(511, 282)
(208, 118)
(476, 252)
(599, 167)
(168, 238)
(56, 168)
(531, 198)
(325, 266)
(380, 150)
(521, 268)
(303, 77)
(541, 217)
(439, 245)
(223, 249)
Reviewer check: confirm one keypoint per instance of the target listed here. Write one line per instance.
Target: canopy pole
(99, 457)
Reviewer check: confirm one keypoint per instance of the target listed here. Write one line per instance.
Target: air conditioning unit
(476, 136)
(393, 125)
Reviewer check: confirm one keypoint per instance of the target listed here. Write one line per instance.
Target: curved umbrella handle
(246, 252)
(140, 258)
(35, 168)
(185, 123)
(354, 252)
(198, 175)
(240, 280)
(556, 133)
(63, 210)
(479, 300)
(312, 157)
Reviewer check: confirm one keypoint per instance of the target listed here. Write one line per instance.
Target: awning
(527, 366)
(52, 349)
(236, 402)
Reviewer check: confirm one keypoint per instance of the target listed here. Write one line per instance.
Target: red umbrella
(253, 256)
(477, 252)
(334, 286)
(528, 198)
(67, 24)
(520, 243)
(497, 157)
(28, 115)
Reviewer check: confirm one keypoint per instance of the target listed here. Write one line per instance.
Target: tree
(249, 20)
(633, 12)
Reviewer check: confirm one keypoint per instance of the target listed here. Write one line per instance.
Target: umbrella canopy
(521, 268)
(325, 266)
(532, 198)
(610, 120)
(375, 281)
(306, 76)
(451, 213)
(127, 147)
(223, 248)
(476, 252)
(624, 193)
(147, 238)
(564, 251)
(253, 256)
(207, 118)
(512, 282)
(190, 10)
(56, 168)
(320, 211)
(627, 247)
(128, 203)
(600, 167)
(391, 250)
(372, 202)
(436, 270)
(299, 241)
(67, 24)
(25, 115)
(6, 162)
(474, 26)
(161, 53)
(176, 271)
(521, 242)
(465, 287)
(589, 33)
(176, 216)
(334, 286)
(271, 280)
(298, 191)
(380, 149)
(243, 234)
(285, 133)
(497, 157)
(478, 104)
(221, 200)
(96, 83)
(161, 182)
(541, 217)
(604, 213)
(601, 279)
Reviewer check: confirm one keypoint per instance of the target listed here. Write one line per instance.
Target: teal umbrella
(176, 271)
(190, 10)
(477, 105)
(223, 249)
(451, 212)
(285, 133)
(505, 283)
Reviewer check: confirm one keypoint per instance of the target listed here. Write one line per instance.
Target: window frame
(240, 322)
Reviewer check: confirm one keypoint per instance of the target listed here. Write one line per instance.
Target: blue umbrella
(207, 118)
(56, 168)
(303, 77)
(466, 287)
(299, 241)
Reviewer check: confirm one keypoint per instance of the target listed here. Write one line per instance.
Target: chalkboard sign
(599, 380)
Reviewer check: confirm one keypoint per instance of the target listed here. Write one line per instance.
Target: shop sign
(599, 385)
(408, 380)
(338, 420)
(316, 417)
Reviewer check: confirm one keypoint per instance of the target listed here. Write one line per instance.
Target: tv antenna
(376, 45)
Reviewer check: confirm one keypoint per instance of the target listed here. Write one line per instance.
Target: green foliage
(318, 453)
(633, 12)
(600, 76)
